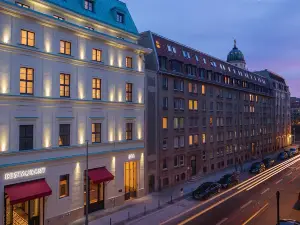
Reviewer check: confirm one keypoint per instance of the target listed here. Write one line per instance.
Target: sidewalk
(133, 209)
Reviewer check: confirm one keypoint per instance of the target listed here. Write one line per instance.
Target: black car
(205, 190)
(257, 167)
(268, 162)
(282, 156)
(229, 180)
(289, 153)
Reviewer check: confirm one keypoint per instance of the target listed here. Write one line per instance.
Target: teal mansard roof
(235, 55)
(105, 11)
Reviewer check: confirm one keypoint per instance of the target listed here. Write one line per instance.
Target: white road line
(248, 203)
(277, 182)
(222, 221)
(265, 191)
(289, 173)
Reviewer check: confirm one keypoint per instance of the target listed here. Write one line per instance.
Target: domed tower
(236, 57)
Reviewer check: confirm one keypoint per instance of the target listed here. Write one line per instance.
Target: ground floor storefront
(55, 193)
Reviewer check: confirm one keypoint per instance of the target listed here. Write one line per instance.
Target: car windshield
(255, 164)
(204, 186)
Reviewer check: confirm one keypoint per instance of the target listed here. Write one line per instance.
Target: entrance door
(96, 196)
(130, 180)
(34, 209)
(193, 165)
(151, 183)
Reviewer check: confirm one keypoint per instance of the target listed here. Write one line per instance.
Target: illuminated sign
(24, 173)
(131, 156)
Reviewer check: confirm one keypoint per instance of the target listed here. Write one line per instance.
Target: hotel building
(202, 113)
(70, 71)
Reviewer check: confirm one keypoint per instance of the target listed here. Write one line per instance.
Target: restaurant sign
(24, 173)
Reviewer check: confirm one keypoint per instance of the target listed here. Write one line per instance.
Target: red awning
(23, 192)
(100, 175)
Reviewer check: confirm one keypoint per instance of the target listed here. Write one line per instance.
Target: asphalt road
(251, 202)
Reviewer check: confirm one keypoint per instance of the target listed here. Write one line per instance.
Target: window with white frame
(176, 142)
(181, 141)
(165, 143)
(89, 5)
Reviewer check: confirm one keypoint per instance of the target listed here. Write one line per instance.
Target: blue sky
(267, 31)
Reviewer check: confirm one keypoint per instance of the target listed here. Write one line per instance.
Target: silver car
(288, 222)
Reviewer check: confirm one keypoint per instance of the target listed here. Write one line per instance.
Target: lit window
(65, 47)
(203, 89)
(210, 120)
(157, 44)
(129, 92)
(64, 135)
(128, 131)
(96, 133)
(64, 186)
(64, 85)
(26, 81)
(190, 140)
(128, 62)
(27, 38)
(88, 5)
(193, 105)
(58, 17)
(176, 123)
(165, 122)
(203, 138)
(196, 139)
(120, 17)
(97, 55)
(96, 86)
(23, 5)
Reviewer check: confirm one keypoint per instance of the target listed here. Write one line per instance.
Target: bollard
(128, 215)
(171, 199)
(144, 209)
(158, 204)
(109, 221)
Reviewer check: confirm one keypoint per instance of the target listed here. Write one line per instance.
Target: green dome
(235, 55)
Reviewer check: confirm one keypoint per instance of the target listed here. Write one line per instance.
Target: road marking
(265, 191)
(222, 221)
(255, 214)
(277, 182)
(245, 185)
(293, 179)
(244, 206)
(289, 174)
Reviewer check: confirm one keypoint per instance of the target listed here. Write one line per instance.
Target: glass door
(34, 212)
(130, 179)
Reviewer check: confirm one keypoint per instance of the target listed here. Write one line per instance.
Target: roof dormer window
(204, 60)
(120, 17)
(197, 59)
(157, 44)
(89, 5)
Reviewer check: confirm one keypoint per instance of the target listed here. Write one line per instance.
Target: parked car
(282, 156)
(295, 151)
(229, 180)
(205, 190)
(268, 162)
(289, 153)
(257, 167)
(288, 222)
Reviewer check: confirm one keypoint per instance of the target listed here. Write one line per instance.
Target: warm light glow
(120, 95)
(81, 90)
(142, 160)
(4, 84)
(47, 41)
(3, 138)
(82, 53)
(81, 133)
(111, 59)
(6, 35)
(139, 131)
(47, 135)
(140, 96)
(112, 93)
(113, 163)
(120, 60)
(47, 89)
(120, 134)
(111, 134)
(140, 64)
(47, 46)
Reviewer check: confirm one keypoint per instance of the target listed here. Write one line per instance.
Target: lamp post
(294, 135)
(87, 185)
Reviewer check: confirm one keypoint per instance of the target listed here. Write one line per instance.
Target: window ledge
(66, 55)
(27, 46)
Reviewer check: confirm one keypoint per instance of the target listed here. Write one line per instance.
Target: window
(96, 133)
(120, 17)
(210, 121)
(64, 135)
(204, 60)
(181, 160)
(176, 161)
(157, 44)
(165, 143)
(58, 17)
(169, 48)
(181, 123)
(197, 59)
(203, 89)
(162, 62)
(64, 85)
(196, 139)
(179, 85)
(176, 142)
(96, 55)
(65, 47)
(128, 92)
(176, 122)
(27, 38)
(190, 140)
(128, 131)
(165, 83)
(203, 138)
(165, 165)
(23, 5)
(129, 62)
(193, 88)
(26, 80)
(25, 137)
(165, 102)
(96, 88)
(165, 122)
(88, 5)
(64, 186)
(193, 105)
(178, 103)
(181, 141)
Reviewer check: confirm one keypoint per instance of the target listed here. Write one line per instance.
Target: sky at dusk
(267, 31)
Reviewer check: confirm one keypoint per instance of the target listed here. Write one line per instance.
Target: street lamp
(294, 135)
(87, 190)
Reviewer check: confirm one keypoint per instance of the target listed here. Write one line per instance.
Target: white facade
(45, 110)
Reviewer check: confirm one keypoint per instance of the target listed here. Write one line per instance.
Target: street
(251, 202)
